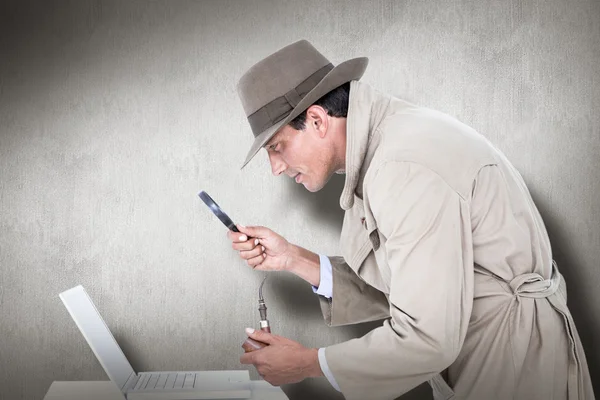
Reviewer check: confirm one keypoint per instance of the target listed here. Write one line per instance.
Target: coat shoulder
(437, 141)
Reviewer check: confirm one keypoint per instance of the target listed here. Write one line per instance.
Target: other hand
(283, 360)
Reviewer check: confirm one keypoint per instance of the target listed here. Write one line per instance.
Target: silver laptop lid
(94, 329)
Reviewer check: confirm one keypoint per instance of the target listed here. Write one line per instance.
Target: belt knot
(533, 285)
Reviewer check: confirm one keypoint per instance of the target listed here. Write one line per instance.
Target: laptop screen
(92, 327)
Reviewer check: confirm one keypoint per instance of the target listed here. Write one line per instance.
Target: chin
(315, 184)
(313, 188)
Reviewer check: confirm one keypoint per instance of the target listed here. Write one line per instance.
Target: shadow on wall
(324, 205)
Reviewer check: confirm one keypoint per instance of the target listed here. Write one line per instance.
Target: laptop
(165, 385)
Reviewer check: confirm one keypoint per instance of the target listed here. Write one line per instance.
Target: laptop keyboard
(166, 381)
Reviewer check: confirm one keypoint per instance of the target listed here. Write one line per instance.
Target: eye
(273, 147)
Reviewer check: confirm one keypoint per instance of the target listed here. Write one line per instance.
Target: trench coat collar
(366, 109)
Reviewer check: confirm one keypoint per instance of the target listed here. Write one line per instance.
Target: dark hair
(335, 103)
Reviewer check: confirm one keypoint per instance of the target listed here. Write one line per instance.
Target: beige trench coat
(442, 240)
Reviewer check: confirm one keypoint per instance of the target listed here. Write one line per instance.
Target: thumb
(261, 336)
(258, 232)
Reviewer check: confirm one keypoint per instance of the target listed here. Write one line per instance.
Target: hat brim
(350, 70)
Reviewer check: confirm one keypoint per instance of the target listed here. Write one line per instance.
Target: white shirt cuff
(326, 285)
(325, 369)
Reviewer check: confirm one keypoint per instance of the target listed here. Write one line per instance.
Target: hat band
(278, 109)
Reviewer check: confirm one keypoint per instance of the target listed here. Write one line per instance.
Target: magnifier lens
(214, 207)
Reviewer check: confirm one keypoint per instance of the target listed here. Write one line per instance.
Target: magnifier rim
(214, 207)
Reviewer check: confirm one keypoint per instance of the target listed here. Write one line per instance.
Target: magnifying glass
(214, 207)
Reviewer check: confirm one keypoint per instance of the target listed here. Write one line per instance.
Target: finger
(254, 231)
(258, 262)
(247, 245)
(272, 381)
(261, 336)
(262, 371)
(247, 358)
(256, 252)
(237, 237)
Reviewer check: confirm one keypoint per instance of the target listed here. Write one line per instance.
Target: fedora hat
(280, 87)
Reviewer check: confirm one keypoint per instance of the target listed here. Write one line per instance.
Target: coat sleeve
(352, 301)
(429, 253)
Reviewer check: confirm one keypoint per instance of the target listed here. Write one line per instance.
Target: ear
(317, 117)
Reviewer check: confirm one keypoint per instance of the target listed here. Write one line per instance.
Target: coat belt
(533, 285)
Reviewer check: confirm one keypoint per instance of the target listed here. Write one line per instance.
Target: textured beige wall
(113, 115)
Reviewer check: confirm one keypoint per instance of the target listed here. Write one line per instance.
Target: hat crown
(278, 88)
(277, 74)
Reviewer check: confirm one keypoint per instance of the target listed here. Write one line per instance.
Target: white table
(106, 390)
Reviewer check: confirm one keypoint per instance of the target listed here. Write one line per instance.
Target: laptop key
(179, 381)
(161, 381)
(152, 381)
(189, 381)
(142, 381)
(170, 381)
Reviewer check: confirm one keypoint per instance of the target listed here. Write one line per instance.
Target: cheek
(294, 157)
(311, 163)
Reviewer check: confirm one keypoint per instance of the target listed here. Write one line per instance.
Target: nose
(277, 164)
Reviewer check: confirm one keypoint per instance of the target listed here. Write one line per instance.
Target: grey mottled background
(113, 115)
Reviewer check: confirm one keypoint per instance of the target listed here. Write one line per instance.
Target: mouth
(297, 177)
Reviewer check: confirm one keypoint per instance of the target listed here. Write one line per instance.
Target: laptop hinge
(130, 383)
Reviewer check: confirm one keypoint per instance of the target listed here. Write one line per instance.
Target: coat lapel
(359, 236)
(366, 110)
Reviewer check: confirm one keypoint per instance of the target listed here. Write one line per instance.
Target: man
(440, 239)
